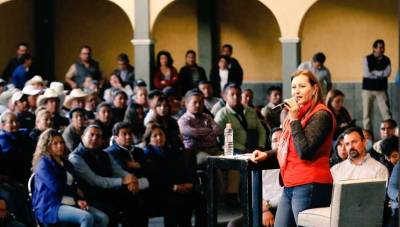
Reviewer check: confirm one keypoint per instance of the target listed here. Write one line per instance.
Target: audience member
(51, 101)
(135, 116)
(209, 100)
(33, 93)
(23, 72)
(25, 118)
(390, 149)
(191, 74)
(119, 107)
(16, 147)
(387, 129)
(359, 165)
(55, 197)
(125, 70)
(199, 130)
(162, 117)
(105, 184)
(83, 68)
(7, 219)
(339, 151)
(165, 74)
(316, 66)
(116, 82)
(104, 121)
(221, 75)
(233, 65)
(22, 48)
(377, 69)
(73, 133)
(171, 181)
(76, 99)
(43, 121)
(334, 101)
(393, 194)
(91, 102)
(274, 98)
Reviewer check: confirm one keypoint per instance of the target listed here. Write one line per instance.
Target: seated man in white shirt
(359, 164)
(271, 190)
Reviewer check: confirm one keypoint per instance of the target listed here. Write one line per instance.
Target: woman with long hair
(303, 150)
(165, 74)
(56, 197)
(334, 101)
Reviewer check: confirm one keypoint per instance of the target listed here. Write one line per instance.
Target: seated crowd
(110, 152)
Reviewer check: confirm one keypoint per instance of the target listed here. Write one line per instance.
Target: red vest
(299, 172)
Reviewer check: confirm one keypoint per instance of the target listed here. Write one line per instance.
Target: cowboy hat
(76, 93)
(49, 93)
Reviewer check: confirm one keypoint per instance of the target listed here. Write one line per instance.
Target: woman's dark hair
(169, 57)
(131, 115)
(332, 94)
(226, 58)
(389, 145)
(160, 101)
(118, 78)
(149, 129)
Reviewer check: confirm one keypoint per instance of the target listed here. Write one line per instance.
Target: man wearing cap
(33, 93)
(84, 67)
(25, 118)
(316, 65)
(51, 101)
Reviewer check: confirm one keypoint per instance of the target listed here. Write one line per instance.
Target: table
(251, 187)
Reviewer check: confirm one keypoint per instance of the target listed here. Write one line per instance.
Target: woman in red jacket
(165, 74)
(303, 152)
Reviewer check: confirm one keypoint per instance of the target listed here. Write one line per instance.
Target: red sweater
(160, 82)
(299, 172)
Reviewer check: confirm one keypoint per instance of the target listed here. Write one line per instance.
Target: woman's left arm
(307, 140)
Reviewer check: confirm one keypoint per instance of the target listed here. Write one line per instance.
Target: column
(44, 41)
(207, 33)
(144, 53)
(290, 61)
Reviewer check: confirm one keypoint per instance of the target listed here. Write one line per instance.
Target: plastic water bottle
(228, 140)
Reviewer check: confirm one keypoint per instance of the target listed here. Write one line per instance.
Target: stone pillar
(144, 51)
(44, 38)
(207, 33)
(290, 61)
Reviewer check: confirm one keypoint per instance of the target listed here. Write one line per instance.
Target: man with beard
(359, 164)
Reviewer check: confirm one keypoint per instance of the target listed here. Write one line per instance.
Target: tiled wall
(353, 100)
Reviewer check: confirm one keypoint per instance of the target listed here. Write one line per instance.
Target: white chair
(354, 203)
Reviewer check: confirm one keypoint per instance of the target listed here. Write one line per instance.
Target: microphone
(280, 106)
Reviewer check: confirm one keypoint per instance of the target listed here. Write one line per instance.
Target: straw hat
(6, 96)
(17, 96)
(49, 93)
(31, 90)
(75, 94)
(35, 80)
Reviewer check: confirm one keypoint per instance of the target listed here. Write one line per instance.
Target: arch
(255, 38)
(289, 15)
(175, 30)
(156, 7)
(352, 25)
(127, 6)
(100, 24)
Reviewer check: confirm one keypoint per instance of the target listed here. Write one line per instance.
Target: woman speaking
(303, 151)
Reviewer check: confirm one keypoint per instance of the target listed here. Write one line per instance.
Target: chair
(354, 203)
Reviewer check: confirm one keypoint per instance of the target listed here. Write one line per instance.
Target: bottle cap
(228, 125)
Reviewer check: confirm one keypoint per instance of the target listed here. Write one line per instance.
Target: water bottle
(228, 140)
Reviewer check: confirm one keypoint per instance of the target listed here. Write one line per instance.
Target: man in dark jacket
(125, 70)
(105, 184)
(191, 74)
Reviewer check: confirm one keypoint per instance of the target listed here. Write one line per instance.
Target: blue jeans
(299, 198)
(86, 218)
